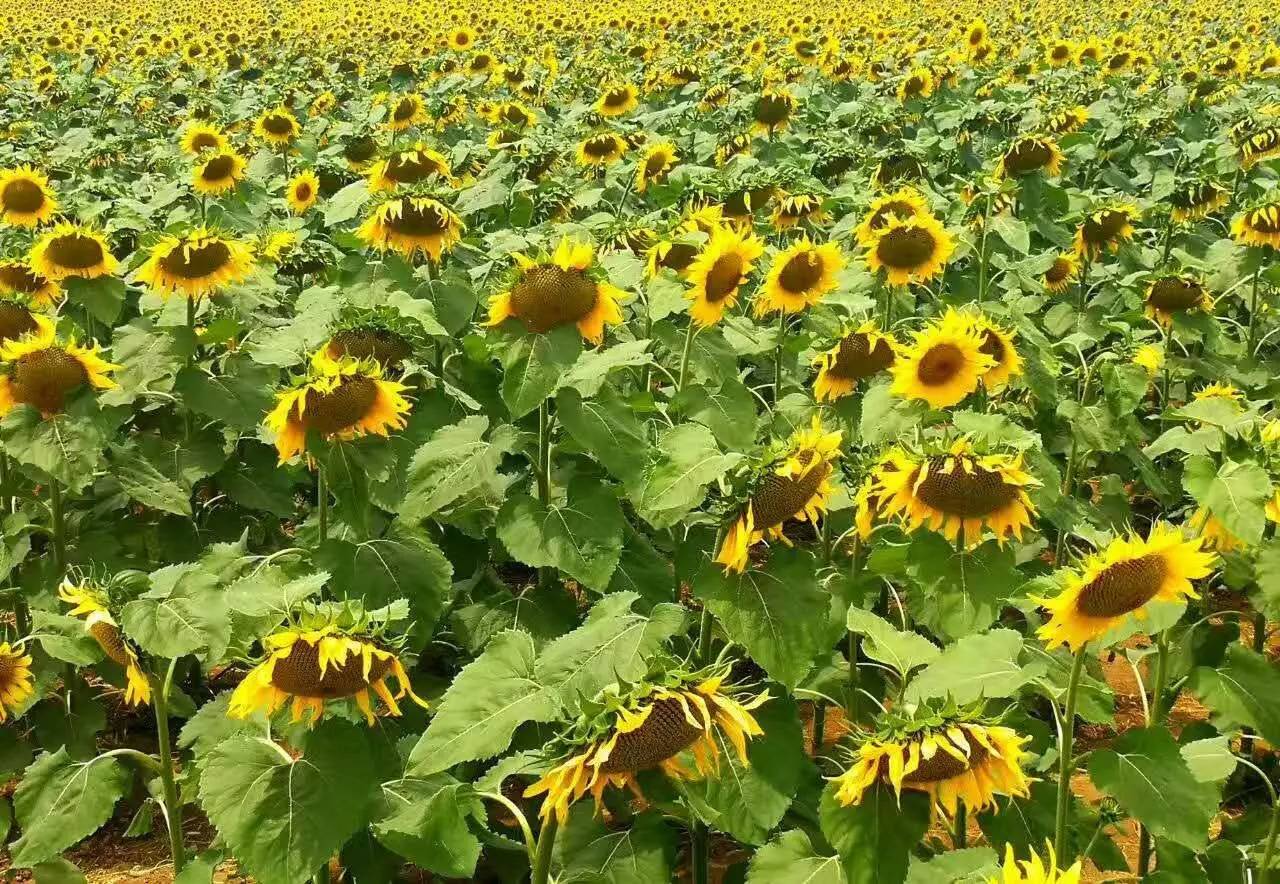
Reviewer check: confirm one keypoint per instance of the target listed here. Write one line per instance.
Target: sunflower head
(903, 205)
(218, 172)
(278, 127)
(1030, 154)
(719, 271)
(302, 192)
(791, 209)
(557, 290)
(16, 321)
(998, 343)
(411, 225)
(196, 264)
(1167, 296)
(68, 250)
(1150, 357)
(799, 277)
(42, 371)
(1062, 272)
(408, 167)
(1104, 229)
(912, 250)
(1069, 120)
(93, 602)
(1259, 226)
(601, 149)
(16, 683)
(654, 164)
(25, 197)
(1197, 199)
(617, 99)
(198, 137)
(1033, 871)
(860, 353)
(944, 362)
(772, 111)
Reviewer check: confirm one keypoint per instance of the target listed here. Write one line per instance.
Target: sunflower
(557, 291)
(918, 83)
(772, 111)
(17, 278)
(92, 603)
(657, 160)
(601, 149)
(944, 363)
(410, 225)
(1226, 392)
(199, 137)
(1150, 357)
(1033, 871)
(1170, 295)
(42, 371)
(1105, 229)
(509, 115)
(1064, 271)
(310, 668)
(302, 192)
(462, 38)
(1069, 120)
(616, 100)
(278, 127)
(1197, 199)
(1121, 580)
(998, 344)
(16, 684)
(219, 173)
(359, 152)
(1030, 154)
(957, 492)
(790, 210)
(911, 250)
(1258, 227)
(648, 729)
(1260, 146)
(418, 163)
(861, 353)
(718, 272)
(406, 110)
(382, 345)
(1214, 532)
(949, 758)
(340, 399)
(68, 250)
(904, 205)
(799, 277)
(796, 486)
(197, 264)
(25, 197)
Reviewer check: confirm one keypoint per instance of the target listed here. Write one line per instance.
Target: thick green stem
(1082, 298)
(684, 357)
(59, 529)
(1066, 761)
(542, 467)
(982, 252)
(1253, 310)
(819, 725)
(172, 804)
(322, 502)
(542, 859)
(962, 826)
(1155, 715)
(1268, 851)
(777, 356)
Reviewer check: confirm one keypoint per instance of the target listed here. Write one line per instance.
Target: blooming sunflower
(799, 277)
(1104, 229)
(410, 225)
(952, 757)
(719, 271)
(25, 197)
(219, 173)
(1030, 154)
(601, 149)
(309, 668)
(406, 110)
(1150, 357)
(92, 603)
(67, 250)
(1064, 271)
(1069, 120)
(860, 353)
(278, 127)
(957, 492)
(902, 205)
(408, 167)
(1121, 580)
(302, 192)
(944, 363)
(998, 343)
(616, 100)
(1170, 295)
(772, 111)
(17, 278)
(340, 399)
(1196, 199)
(648, 728)
(557, 291)
(1259, 226)
(196, 264)
(912, 250)
(199, 137)
(657, 160)
(1032, 871)
(16, 684)
(918, 83)
(42, 371)
(796, 485)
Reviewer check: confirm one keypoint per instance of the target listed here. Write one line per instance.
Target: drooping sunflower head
(998, 343)
(654, 164)
(1260, 146)
(954, 756)
(1033, 871)
(860, 353)
(918, 83)
(196, 264)
(902, 205)
(359, 151)
(411, 225)
(41, 371)
(1030, 154)
(198, 137)
(601, 149)
(404, 111)
(648, 727)
(772, 111)
(302, 192)
(278, 127)
(791, 209)
(1167, 296)
(93, 603)
(218, 172)
(406, 167)
(370, 341)
(16, 683)
(338, 399)
(1105, 229)
(1259, 226)
(1069, 120)
(1062, 272)
(20, 282)
(25, 197)
(795, 483)
(617, 99)
(912, 250)
(1121, 580)
(955, 491)
(1197, 199)
(558, 290)
(799, 277)
(718, 272)
(944, 362)
(68, 250)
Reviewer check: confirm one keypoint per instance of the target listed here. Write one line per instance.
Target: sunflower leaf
(456, 461)
(61, 800)
(904, 651)
(535, 366)
(976, 666)
(874, 838)
(588, 374)
(581, 537)
(427, 824)
(607, 428)
(674, 483)
(791, 859)
(1241, 692)
(591, 853)
(1236, 494)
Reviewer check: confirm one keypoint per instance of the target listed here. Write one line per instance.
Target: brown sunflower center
(299, 674)
(196, 263)
(219, 168)
(405, 109)
(45, 377)
(74, 251)
(772, 110)
(343, 407)
(20, 278)
(111, 641)
(278, 124)
(1260, 222)
(857, 358)
(548, 296)
(600, 146)
(992, 346)
(1104, 226)
(1061, 52)
(22, 195)
(1172, 294)
(970, 493)
(724, 277)
(900, 209)
(1027, 156)
(679, 256)
(801, 273)
(204, 140)
(940, 364)
(15, 321)
(906, 247)
(382, 345)
(303, 191)
(616, 98)
(419, 220)
(655, 164)
(1123, 587)
(914, 86)
(1060, 270)
(782, 497)
(943, 765)
(665, 733)
(360, 150)
(413, 166)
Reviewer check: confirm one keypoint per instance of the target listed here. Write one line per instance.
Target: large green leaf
(589, 373)
(791, 859)
(904, 651)
(875, 837)
(61, 800)
(729, 412)
(283, 816)
(581, 536)
(976, 666)
(146, 484)
(1241, 692)
(427, 824)
(608, 429)
(674, 483)
(974, 865)
(238, 396)
(68, 447)
(1236, 493)
(589, 852)
(960, 591)
(535, 366)
(453, 464)
(190, 617)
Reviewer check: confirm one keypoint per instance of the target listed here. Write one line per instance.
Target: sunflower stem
(1253, 310)
(1268, 852)
(777, 357)
(542, 859)
(684, 356)
(699, 850)
(961, 834)
(1260, 632)
(59, 529)
(852, 639)
(1066, 762)
(1084, 286)
(982, 252)
(819, 726)
(322, 502)
(172, 805)
(543, 467)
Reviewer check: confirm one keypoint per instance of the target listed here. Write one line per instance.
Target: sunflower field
(747, 442)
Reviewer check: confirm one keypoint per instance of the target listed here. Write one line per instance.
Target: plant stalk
(1253, 310)
(546, 844)
(59, 529)
(684, 357)
(543, 466)
(1066, 763)
(699, 853)
(322, 502)
(173, 807)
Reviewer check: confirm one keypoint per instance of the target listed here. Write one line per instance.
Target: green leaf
(346, 203)
(61, 801)
(64, 638)
(1236, 494)
(591, 853)
(455, 462)
(608, 429)
(146, 484)
(1210, 759)
(728, 412)
(535, 371)
(614, 645)
(874, 838)
(427, 825)
(68, 446)
(1266, 568)
(1091, 425)
(975, 667)
(102, 297)
(210, 727)
(687, 460)
(777, 612)
(1241, 692)
(885, 416)
(487, 701)
(405, 564)
(193, 617)
(581, 537)
(884, 642)
(239, 396)
(589, 373)
(1145, 772)
(284, 817)
(974, 865)
(791, 859)
(960, 591)
(149, 358)
(58, 871)
(1013, 231)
